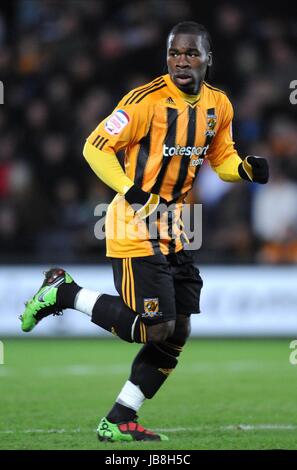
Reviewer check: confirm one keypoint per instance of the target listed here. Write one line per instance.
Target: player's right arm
(125, 126)
(107, 168)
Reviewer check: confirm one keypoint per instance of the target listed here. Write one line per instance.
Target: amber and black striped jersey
(166, 136)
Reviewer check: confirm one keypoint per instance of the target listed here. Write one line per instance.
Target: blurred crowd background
(65, 65)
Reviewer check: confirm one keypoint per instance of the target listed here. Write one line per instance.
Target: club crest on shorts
(151, 308)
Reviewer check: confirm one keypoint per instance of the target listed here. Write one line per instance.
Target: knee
(182, 330)
(160, 332)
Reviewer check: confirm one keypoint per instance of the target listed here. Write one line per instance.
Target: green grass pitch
(225, 394)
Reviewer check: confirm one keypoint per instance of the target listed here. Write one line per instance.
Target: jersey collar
(191, 100)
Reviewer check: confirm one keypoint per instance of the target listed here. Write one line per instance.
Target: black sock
(152, 366)
(120, 414)
(66, 294)
(111, 313)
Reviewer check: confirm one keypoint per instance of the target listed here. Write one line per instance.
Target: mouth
(183, 78)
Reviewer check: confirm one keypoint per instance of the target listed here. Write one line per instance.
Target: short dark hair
(191, 27)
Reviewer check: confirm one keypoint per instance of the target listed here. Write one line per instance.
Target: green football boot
(128, 431)
(44, 302)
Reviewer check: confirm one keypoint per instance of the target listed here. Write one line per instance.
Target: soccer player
(167, 129)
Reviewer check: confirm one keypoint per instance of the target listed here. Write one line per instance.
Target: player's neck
(189, 98)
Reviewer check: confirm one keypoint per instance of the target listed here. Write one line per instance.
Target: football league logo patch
(117, 121)
(151, 308)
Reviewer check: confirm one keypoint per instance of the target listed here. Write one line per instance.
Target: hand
(254, 169)
(142, 202)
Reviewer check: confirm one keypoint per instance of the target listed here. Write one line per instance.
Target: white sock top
(85, 301)
(131, 396)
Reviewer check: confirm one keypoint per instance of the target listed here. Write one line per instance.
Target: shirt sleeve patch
(117, 121)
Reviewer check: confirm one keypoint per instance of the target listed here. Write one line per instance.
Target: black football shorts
(159, 287)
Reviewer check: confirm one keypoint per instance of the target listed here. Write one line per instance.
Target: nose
(182, 61)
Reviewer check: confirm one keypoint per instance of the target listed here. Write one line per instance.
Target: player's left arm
(224, 158)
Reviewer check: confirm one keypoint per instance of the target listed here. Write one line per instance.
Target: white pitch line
(78, 370)
(71, 370)
(81, 370)
(250, 427)
(235, 427)
(42, 431)
(231, 427)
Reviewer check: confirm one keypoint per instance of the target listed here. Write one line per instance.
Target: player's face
(187, 61)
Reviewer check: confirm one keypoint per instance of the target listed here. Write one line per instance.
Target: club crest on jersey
(211, 124)
(151, 308)
(117, 121)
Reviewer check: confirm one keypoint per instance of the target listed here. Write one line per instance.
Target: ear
(209, 62)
